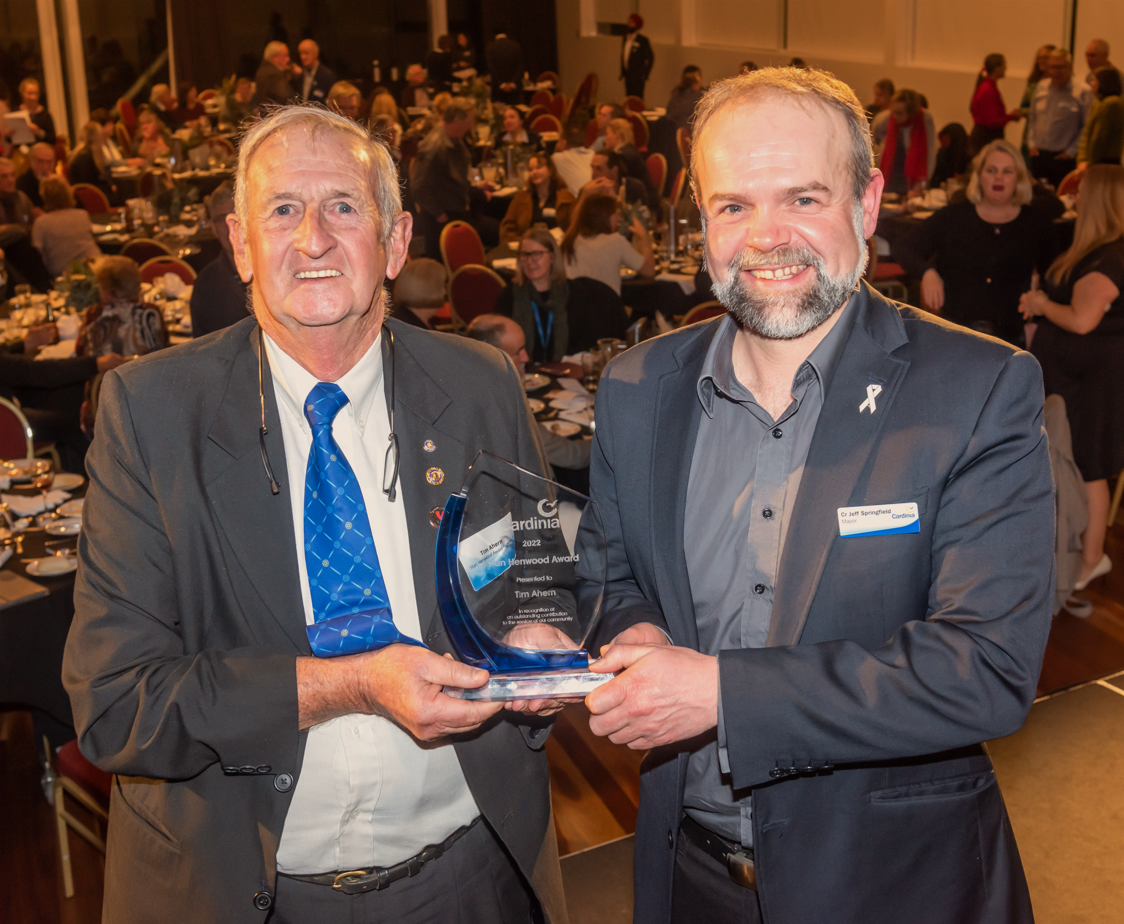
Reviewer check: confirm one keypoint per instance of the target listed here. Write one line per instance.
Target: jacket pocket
(956, 787)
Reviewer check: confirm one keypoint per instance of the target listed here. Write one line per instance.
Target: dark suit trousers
(474, 883)
(1047, 166)
(703, 891)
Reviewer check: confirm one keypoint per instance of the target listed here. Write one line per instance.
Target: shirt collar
(718, 368)
(361, 383)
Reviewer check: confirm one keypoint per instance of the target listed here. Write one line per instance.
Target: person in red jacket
(989, 112)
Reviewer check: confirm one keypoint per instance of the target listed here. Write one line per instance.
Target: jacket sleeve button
(283, 782)
(263, 901)
(777, 773)
(670, 840)
(264, 769)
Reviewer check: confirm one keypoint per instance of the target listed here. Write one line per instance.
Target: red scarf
(917, 155)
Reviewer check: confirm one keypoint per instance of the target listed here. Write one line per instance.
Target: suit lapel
(841, 447)
(419, 403)
(677, 425)
(257, 523)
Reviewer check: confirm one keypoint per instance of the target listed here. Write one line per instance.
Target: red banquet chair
(542, 98)
(142, 249)
(657, 167)
(158, 266)
(558, 105)
(703, 312)
(460, 245)
(92, 199)
(590, 133)
(546, 123)
(639, 130)
(210, 93)
(683, 142)
(78, 778)
(128, 115)
(584, 95)
(15, 432)
(677, 187)
(473, 291)
(548, 77)
(633, 104)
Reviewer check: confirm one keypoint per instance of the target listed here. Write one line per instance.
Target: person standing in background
(989, 112)
(1102, 141)
(273, 76)
(504, 56)
(1096, 55)
(218, 298)
(636, 57)
(315, 79)
(1037, 73)
(1057, 117)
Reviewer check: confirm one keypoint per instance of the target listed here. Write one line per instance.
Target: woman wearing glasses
(559, 316)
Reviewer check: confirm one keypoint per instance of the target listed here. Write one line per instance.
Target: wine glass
(41, 478)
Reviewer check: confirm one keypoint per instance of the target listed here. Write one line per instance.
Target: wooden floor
(594, 784)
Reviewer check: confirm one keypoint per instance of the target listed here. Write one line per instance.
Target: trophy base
(572, 684)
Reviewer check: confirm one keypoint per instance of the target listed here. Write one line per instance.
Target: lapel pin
(872, 392)
(429, 446)
(435, 517)
(434, 476)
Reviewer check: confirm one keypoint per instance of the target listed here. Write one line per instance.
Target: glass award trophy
(521, 565)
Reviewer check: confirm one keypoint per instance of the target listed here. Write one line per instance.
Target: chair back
(90, 787)
(534, 112)
(558, 105)
(460, 246)
(677, 187)
(703, 312)
(92, 199)
(143, 249)
(542, 98)
(150, 183)
(473, 291)
(158, 266)
(128, 115)
(639, 129)
(683, 142)
(207, 94)
(586, 89)
(123, 138)
(546, 123)
(548, 77)
(590, 133)
(633, 104)
(1071, 183)
(657, 168)
(15, 432)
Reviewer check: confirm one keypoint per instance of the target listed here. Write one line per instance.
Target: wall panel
(750, 23)
(844, 28)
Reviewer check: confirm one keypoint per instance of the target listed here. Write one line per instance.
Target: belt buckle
(338, 886)
(741, 869)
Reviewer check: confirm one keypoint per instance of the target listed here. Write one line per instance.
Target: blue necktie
(349, 598)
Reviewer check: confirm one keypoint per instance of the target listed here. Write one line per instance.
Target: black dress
(985, 267)
(1088, 369)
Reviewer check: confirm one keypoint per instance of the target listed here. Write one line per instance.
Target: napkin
(23, 506)
(585, 418)
(64, 349)
(15, 588)
(180, 231)
(504, 263)
(173, 284)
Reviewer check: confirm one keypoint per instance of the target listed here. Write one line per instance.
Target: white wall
(933, 46)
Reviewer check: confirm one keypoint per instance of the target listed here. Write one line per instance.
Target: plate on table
(562, 427)
(66, 481)
(573, 403)
(46, 567)
(19, 469)
(535, 381)
(68, 526)
(535, 405)
(72, 508)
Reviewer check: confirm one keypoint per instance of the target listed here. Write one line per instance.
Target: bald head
(502, 333)
(42, 159)
(309, 53)
(1096, 54)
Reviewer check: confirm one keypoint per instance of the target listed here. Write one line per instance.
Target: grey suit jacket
(181, 659)
(889, 658)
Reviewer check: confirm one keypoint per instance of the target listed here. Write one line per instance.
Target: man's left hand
(664, 694)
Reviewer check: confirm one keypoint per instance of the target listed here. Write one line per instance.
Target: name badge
(879, 520)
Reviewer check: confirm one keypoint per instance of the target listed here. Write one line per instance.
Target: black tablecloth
(32, 638)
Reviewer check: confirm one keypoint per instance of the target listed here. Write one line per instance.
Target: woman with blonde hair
(150, 142)
(975, 258)
(559, 316)
(88, 162)
(1080, 344)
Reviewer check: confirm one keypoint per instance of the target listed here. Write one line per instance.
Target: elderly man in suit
(272, 86)
(839, 510)
(315, 78)
(270, 492)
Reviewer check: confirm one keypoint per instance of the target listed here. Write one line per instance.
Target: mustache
(751, 259)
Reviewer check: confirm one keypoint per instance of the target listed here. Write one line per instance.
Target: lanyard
(544, 339)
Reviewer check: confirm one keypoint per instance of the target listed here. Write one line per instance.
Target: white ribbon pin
(872, 392)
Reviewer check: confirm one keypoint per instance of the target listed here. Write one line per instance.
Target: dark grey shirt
(745, 473)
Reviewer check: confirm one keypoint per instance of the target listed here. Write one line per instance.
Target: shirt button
(777, 434)
(759, 589)
(767, 513)
(355, 731)
(354, 815)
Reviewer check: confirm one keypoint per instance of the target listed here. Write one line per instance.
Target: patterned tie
(349, 598)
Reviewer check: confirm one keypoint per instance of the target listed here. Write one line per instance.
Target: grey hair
(803, 86)
(314, 120)
(272, 49)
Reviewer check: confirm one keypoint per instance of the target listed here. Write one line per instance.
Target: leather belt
(737, 859)
(374, 878)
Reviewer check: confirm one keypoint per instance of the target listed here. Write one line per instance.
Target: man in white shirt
(257, 780)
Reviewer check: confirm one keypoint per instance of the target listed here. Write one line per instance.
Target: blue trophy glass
(516, 598)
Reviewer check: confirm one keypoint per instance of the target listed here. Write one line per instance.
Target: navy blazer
(321, 85)
(889, 658)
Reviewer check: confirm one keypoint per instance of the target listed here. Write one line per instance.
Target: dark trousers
(474, 883)
(703, 891)
(634, 85)
(1046, 165)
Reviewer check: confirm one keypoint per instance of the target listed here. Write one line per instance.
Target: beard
(786, 316)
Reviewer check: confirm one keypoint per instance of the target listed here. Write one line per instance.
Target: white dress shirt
(368, 794)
